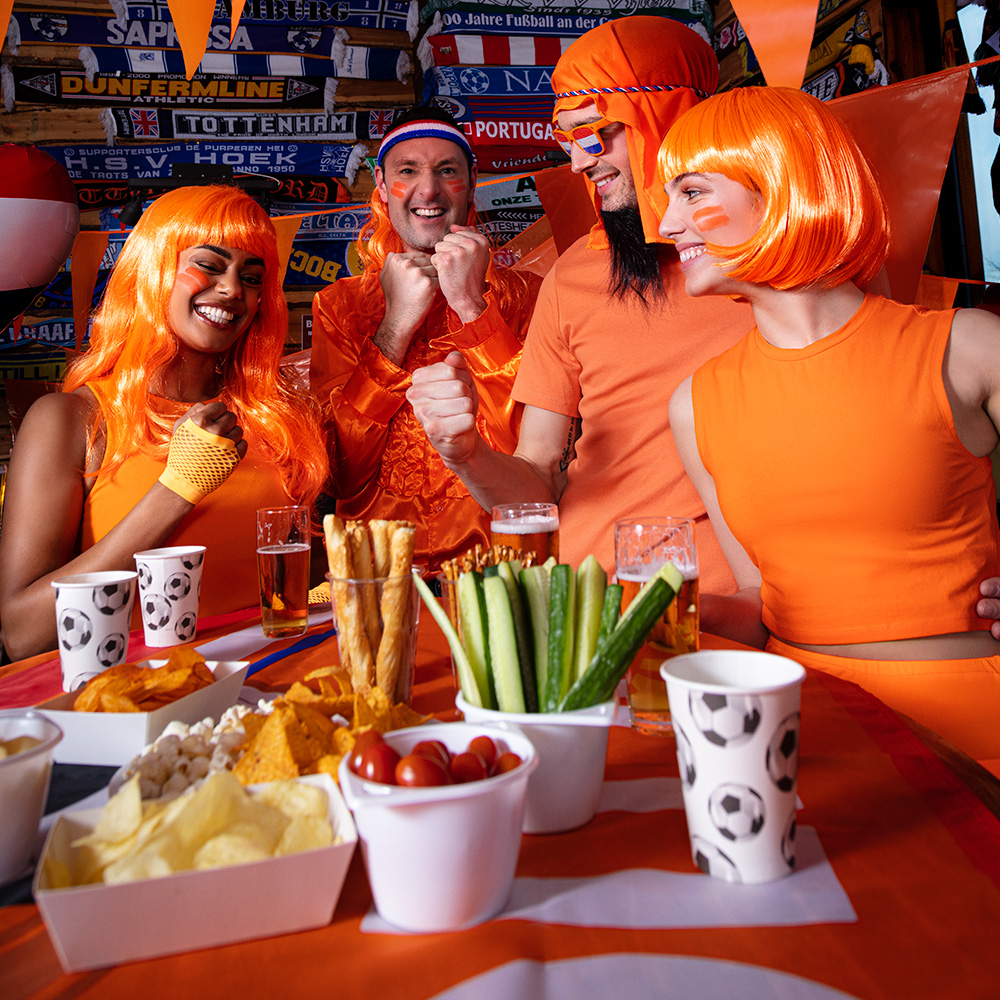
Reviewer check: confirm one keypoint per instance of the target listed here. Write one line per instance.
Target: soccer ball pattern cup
(736, 719)
(93, 611)
(169, 589)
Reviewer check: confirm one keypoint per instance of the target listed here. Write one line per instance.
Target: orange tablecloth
(916, 853)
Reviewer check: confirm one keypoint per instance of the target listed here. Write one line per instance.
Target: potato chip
(305, 833)
(121, 817)
(130, 687)
(229, 849)
(293, 798)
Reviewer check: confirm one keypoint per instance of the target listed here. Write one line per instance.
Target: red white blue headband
(429, 129)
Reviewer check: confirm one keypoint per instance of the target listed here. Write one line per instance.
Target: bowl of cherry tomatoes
(439, 810)
(572, 749)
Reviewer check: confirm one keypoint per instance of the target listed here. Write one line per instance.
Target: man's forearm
(492, 477)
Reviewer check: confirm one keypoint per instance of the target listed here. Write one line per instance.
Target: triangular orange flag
(286, 226)
(234, 17)
(780, 33)
(84, 263)
(192, 21)
(6, 6)
(906, 130)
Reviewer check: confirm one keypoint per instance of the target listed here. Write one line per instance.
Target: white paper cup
(24, 783)
(169, 589)
(572, 750)
(736, 719)
(93, 612)
(441, 858)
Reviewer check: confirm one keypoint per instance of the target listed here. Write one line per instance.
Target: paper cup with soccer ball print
(736, 720)
(93, 611)
(169, 589)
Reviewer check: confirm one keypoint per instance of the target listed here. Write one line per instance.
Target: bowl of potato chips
(27, 739)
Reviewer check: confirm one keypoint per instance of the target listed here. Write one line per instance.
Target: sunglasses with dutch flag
(587, 138)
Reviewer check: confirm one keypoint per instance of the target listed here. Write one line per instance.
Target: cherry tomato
(434, 749)
(378, 763)
(361, 743)
(485, 748)
(468, 767)
(419, 771)
(505, 762)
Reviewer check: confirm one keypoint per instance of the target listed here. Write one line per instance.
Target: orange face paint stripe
(709, 218)
(457, 187)
(193, 280)
(398, 189)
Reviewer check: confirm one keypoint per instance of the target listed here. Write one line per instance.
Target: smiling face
(708, 208)
(610, 171)
(215, 297)
(427, 186)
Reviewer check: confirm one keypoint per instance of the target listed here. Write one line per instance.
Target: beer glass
(527, 528)
(642, 546)
(283, 570)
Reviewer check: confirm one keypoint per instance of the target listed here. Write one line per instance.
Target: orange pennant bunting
(909, 159)
(85, 262)
(780, 33)
(192, 22)
(6, 6)
(234, 19)
(286, 226)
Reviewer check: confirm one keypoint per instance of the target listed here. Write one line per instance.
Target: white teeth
(690, 253)
(429, 213)
(214, 315)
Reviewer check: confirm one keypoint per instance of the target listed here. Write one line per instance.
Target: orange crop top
(839, 470)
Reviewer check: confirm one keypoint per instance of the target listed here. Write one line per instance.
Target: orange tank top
(224, 522)
(839, 470)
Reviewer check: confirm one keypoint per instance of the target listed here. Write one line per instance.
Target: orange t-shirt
(839, 470)
(615, 364)
(225, 521)
(381, 463)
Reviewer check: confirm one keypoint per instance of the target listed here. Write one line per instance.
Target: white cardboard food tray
(116, 737)
(95, 926)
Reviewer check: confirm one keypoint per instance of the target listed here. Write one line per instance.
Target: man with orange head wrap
(613, 332)
(430, 287)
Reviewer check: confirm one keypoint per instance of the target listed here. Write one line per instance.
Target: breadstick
(361, 553)
(381, 559)
(396, 615)
(350, 629)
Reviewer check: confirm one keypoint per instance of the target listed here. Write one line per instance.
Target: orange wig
(824, 217)
(130, 340)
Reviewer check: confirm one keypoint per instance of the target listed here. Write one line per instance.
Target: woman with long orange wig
(174, 426)
(843, 447)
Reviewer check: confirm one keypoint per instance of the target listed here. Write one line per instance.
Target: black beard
(635, 264)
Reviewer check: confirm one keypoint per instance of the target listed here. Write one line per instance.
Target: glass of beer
(642, 546)
(527, 528)
(283, 570)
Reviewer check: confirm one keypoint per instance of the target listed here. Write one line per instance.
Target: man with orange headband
(430, 287)
(613, 331)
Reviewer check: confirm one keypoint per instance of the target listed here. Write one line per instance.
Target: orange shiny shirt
(382, 465)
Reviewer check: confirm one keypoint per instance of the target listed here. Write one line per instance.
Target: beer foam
(529, 524)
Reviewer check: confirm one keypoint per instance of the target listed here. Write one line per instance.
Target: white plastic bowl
(572, 749)
(24, 783)
(442, 858)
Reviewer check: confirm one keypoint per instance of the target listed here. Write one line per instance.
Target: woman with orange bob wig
(842, 447)
(175, 425)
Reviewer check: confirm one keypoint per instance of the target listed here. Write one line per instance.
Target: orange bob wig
(824, 220)
(130, 340)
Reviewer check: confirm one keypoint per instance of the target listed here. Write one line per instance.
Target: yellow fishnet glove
(198, 462)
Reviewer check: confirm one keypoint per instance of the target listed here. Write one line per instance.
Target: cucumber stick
(562, 635)
(463, 667)
(504, 663)
(509, 572)
(613, 658)
(472, 609)
(610, 612)
(591, 582)
(535, 581)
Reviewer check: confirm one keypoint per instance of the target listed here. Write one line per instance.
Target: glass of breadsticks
(375, 605)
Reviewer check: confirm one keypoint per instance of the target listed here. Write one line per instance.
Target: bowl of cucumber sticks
(541, 652)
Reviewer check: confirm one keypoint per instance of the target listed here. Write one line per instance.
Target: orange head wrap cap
(644, 72)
